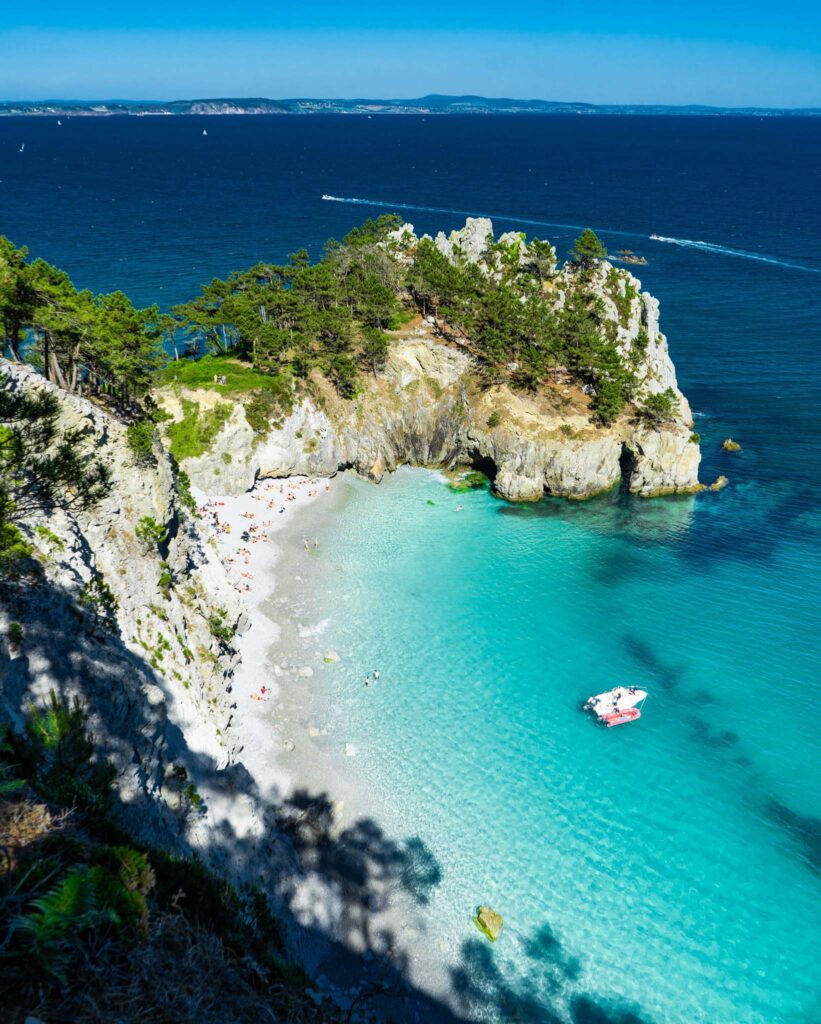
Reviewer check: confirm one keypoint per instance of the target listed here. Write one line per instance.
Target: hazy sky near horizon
(729, 53)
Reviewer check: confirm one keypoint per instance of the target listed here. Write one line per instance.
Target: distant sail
(22, 147)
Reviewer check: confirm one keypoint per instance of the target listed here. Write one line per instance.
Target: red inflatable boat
(621, 717)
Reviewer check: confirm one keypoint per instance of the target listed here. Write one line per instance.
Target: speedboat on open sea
(617, 706)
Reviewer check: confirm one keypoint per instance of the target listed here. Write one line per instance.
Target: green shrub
(140, 437)
(15, 633)
(220, 630)
(49, 537)
(150, 532)
(184, 488)
(15, 550)
(89, 899)
(97, 596)
(695, 438)
(62, 753)
(622, 293)
(195, 433)
(268, 407)
(166, 582)
(494, 420)
(659, 408)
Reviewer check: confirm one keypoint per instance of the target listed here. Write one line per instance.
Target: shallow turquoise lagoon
(666, 867)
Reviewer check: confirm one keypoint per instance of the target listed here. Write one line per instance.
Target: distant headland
(433, 104)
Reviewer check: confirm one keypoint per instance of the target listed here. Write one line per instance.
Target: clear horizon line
(441, 97)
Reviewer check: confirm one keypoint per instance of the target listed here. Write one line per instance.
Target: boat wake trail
(476, 213)
(723, 250)
(686, 243)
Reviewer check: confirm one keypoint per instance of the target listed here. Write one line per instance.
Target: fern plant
(87, 902)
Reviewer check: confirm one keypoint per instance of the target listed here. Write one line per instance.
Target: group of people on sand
(263, 695)
(272, 494)
(209, 512)
(375, 678)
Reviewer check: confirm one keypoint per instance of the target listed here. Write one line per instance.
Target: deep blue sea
(672, 867)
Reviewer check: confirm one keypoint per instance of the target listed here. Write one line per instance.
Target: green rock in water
(731, 446)
(488, 922)
(472, 481)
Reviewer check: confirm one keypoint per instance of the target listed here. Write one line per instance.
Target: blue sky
(639, 52)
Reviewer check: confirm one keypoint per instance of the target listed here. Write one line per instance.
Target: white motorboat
(615, 702)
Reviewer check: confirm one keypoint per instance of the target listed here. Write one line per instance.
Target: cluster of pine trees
(84, 342)
(296, 317)
(508, 314)
(293, 318)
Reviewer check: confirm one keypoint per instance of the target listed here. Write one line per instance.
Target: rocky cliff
(131, 610)
(426, 408)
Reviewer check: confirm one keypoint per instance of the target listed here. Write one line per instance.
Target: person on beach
(367, 680)
(305, 544)
(376, 675)
(316, 544)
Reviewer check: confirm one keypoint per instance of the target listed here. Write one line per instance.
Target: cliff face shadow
(329, 887)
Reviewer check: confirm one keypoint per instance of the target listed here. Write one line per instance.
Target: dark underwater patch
(666, 676)
(583, 1010)
(803, 829)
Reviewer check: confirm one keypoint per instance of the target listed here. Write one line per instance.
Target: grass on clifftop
(268, 398)
(239, 377)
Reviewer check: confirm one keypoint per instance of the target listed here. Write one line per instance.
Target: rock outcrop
(425, 408)
(138, 628)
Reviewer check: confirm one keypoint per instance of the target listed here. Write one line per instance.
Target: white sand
(253, 575)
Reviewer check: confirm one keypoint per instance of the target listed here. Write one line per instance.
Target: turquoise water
(664, 865)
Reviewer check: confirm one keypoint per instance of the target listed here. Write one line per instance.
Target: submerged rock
(489, 922)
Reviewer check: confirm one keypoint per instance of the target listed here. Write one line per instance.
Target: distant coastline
(433, 105)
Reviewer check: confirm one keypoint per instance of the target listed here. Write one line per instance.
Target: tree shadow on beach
(549, 989)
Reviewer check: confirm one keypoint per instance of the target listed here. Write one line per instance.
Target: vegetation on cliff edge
(271, 326)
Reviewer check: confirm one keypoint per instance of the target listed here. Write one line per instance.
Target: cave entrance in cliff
(483, 464)
(627, 466)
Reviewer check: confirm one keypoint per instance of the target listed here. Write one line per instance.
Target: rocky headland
(428, 407)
